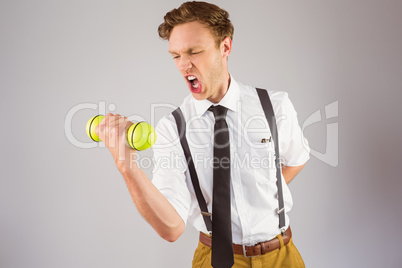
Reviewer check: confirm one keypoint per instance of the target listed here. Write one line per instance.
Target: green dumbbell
(140, 136)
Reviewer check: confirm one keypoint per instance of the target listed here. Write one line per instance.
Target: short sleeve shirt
(253, 174)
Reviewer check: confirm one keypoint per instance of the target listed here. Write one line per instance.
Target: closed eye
(177, 56)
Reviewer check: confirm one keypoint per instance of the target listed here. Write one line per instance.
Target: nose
(184, 63)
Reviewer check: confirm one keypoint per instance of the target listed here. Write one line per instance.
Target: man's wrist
(128, 165)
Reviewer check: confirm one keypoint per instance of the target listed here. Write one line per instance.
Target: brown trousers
(284, 257)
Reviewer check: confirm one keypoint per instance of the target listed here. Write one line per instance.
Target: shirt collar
(229, 101)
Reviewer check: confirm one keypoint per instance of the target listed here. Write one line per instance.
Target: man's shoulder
(168, 120)
(166, 123)
(276, 96)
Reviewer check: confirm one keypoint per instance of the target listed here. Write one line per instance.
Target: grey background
(64, 206)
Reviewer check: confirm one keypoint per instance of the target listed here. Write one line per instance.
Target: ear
(226, 46)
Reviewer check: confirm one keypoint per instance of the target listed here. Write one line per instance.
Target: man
(200, 41)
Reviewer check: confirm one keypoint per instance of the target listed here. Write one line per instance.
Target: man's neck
(222, 91)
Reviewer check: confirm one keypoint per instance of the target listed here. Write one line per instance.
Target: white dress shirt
(253, 178)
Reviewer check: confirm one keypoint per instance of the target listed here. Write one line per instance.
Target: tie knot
(219, 111)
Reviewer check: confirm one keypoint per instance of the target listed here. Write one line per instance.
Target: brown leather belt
(251, 251)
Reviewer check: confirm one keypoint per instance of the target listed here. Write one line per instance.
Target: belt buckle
(245, 252)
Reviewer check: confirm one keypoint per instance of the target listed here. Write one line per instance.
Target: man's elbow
(171, 238)
(173, 233)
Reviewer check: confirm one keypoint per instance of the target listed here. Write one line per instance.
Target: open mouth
(194, 83)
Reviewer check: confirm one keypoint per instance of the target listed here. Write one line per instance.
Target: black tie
(222, 248)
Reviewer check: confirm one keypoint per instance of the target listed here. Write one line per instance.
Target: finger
(107, 124)
(100, 129)
(111, 117)
(113, 131)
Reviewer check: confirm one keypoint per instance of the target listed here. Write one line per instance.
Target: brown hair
(214, 17)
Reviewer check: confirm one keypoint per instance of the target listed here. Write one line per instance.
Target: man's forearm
(290, 172)
(152, 205)
(150, 202)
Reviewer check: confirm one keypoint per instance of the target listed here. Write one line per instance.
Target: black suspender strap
(181, 127)
(270, 115)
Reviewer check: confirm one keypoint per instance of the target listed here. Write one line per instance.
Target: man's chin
(198, 96)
